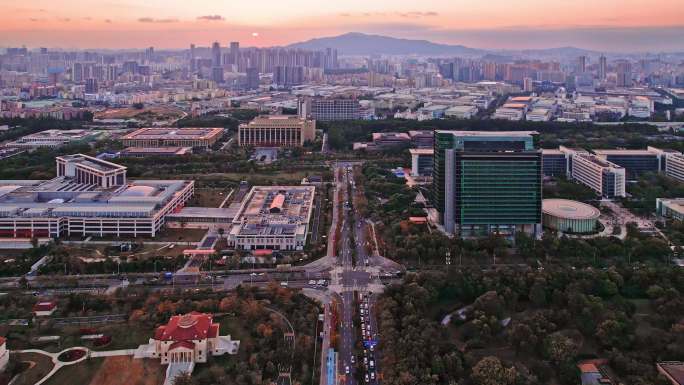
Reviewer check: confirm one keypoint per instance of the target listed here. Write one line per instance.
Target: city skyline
(625, 26)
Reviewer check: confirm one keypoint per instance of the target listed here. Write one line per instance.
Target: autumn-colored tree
(490, 371)
(136, 315)
(560, 349)
(228, 304)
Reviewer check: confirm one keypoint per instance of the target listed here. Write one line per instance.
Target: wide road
(359, 274)
(347, 332)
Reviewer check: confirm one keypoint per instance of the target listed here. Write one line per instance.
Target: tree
(538, 293)
(613, 333)
(490, 371)
(522, 337)
(490, 304)
(560, 349)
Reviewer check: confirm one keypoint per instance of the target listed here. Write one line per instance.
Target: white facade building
(273, 218)
(604, 177)
(89, 196)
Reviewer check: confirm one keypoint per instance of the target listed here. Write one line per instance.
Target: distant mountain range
(356, 43)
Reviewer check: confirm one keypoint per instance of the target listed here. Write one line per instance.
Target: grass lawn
(176, 235)
(236, 327)
(81, 373)
(125, 336)
(125, 370)
(39, 366)
(208, 197)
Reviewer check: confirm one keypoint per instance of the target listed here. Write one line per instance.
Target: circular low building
(569, 216)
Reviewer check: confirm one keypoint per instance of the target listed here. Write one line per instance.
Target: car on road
(346, 369)
(284, 284)
(312, 282)
(372, 376)
(366, 378)
(371, 363)
(353, 359)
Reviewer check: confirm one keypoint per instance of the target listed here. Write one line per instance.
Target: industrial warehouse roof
(567, 209)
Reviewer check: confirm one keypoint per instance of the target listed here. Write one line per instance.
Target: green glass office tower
(487, 182)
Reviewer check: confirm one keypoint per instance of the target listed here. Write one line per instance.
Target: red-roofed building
(190, 338)
(673, 371)
(418, 220)
(594, 372)
(4, 354)
(44, 309)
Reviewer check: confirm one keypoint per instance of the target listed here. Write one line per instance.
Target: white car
(346, 369)
(366, 378)
(371, 363)
(372, 376)
(312, 282)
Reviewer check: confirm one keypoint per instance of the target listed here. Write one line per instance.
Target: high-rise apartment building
(217, 74)
(252, 78)
(603, 68)
(287, 76)
(91, 86)
(234, 53)
(582, 64)
(216, 54)
(487, 182)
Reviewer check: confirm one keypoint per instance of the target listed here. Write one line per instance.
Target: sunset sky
(615, 25)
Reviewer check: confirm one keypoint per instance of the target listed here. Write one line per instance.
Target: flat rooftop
(91, 162)
(624, 152)
(204, 212)
(391, 135)
(174, 133)
(157, 150)
(568, 209)
(674, 369)
(54, 134)
(63, 197)
(598, 161)
(274, 210)
(422, 151)
(489, 133)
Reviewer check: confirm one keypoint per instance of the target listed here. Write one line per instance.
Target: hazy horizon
(614, 25)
